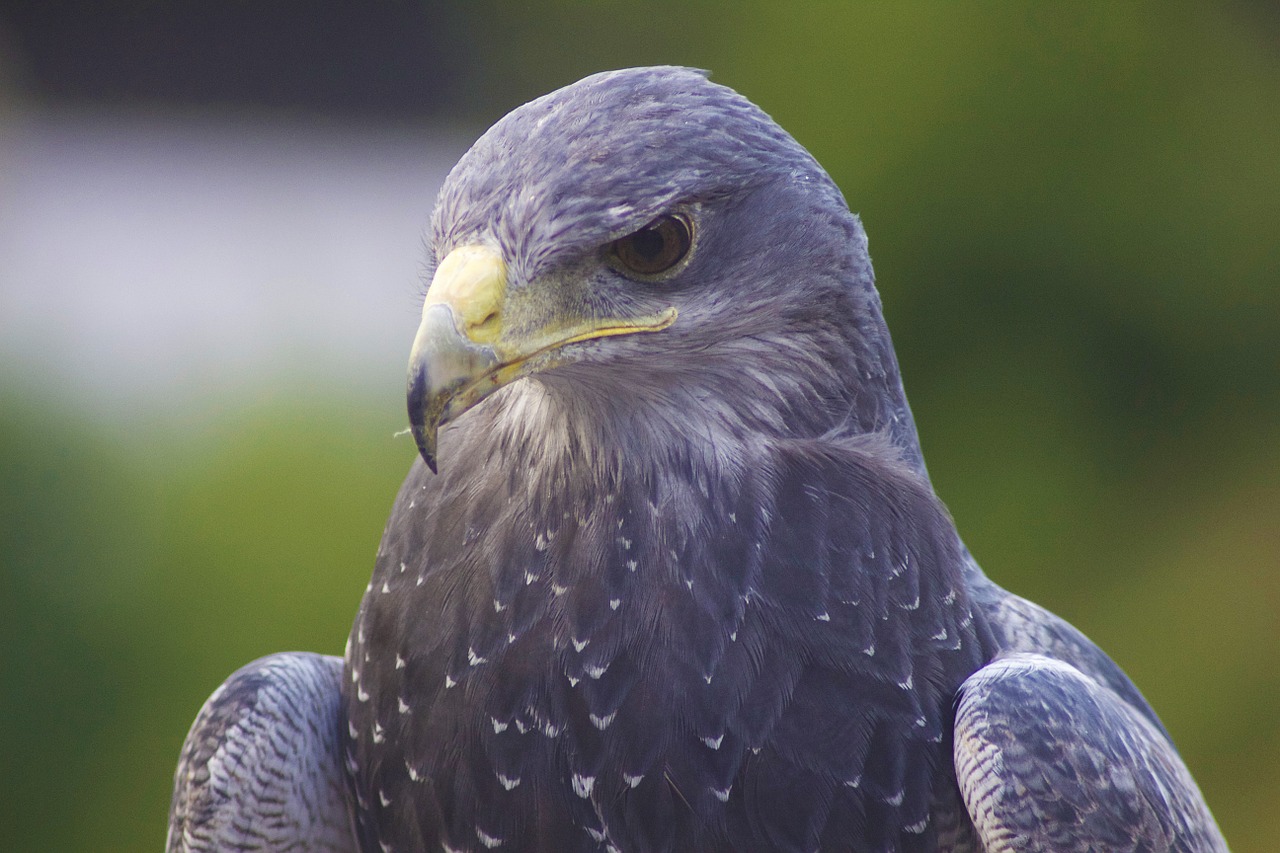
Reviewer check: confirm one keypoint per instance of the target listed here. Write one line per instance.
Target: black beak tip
(423, 427)
(425, 438)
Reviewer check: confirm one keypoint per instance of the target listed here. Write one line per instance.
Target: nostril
(486, 323)
(483, 323)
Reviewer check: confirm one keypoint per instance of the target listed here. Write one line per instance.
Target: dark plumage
(681, 582)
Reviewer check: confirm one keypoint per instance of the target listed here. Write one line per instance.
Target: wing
(261, 767)
(1049, 759)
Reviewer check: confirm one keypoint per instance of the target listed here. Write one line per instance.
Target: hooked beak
(468, 346)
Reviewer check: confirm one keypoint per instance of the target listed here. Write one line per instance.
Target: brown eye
(655, 248)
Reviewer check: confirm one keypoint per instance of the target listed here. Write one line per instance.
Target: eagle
(669, 573)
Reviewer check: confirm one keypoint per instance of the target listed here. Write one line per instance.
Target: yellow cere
(472, 281)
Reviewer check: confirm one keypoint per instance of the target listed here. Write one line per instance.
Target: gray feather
(261, 768)
(1050, 761)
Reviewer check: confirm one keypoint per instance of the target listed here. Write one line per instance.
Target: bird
(669, 573)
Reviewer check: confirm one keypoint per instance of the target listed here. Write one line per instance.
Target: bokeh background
(210, 237)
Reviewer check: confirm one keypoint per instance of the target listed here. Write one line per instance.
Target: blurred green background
(1074, 213)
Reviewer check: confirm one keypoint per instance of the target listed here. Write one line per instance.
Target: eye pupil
(655, 248)
(648, 243)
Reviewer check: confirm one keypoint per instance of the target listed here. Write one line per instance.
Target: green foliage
(139, 571)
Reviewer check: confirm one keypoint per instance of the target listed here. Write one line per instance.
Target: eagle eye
(655, 248)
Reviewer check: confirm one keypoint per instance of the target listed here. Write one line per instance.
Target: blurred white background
(147, 261)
